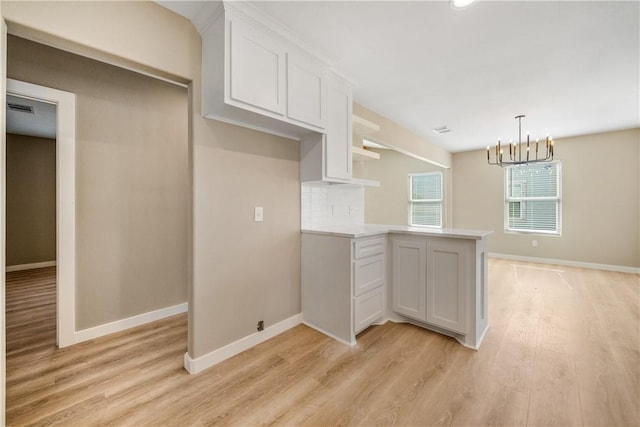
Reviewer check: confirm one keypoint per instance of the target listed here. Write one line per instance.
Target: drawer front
(367, 309)
(368, 247)
(368, 274)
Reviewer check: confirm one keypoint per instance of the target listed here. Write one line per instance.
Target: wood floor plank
(555, 399)
(563, 349)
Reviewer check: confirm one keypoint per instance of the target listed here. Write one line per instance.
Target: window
(532, 198)
(425, 199)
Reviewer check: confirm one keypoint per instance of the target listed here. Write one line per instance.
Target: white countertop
(365, 230)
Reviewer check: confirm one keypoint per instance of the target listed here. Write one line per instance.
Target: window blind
(425, 199)
(532, 198)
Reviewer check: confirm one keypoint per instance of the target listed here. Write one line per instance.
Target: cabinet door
(446, 284)
(305, 90)
(338, 138)
(257, 68)
(409, 278)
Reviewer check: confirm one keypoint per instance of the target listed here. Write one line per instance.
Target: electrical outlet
(260, 325)
(534, 243)
(258, 215)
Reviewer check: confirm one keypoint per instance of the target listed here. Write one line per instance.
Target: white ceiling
(40, 123)
(573, 67)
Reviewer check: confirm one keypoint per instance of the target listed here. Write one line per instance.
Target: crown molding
(207, 15)
(249, 11)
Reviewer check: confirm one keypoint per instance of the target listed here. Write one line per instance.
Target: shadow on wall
(229, 137)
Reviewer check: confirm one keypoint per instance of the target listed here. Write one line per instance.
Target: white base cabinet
(367, 308)
(434, 281)
(343, 284)
(409, 270)
(447, 269)
(441, 283)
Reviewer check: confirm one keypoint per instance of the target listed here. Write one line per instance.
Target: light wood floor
(563, 350)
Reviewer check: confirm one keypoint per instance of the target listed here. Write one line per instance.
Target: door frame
(65, 201)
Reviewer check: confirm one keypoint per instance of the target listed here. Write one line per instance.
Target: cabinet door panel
(367, 309)
(338, 139)
(409, 278)
(446, 285)
(368, 273)
(305, 90)
(257, 71)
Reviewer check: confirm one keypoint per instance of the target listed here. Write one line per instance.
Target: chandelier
(520, 153)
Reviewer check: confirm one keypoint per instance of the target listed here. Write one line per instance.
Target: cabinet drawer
(367, 309)
(368, 247)
(368, 274)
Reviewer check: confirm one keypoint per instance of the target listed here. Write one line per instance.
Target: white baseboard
(568, 263)
(130, 322)
(199, 364)
(30, 266)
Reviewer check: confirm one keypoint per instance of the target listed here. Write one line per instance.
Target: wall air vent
(20, 108)
(441, 130)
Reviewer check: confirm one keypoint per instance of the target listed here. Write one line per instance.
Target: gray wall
(31, 200)
(388, 204)
(131, 183)
(600, 201)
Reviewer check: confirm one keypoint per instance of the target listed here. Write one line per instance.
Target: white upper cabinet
(328, 157)
(339, 137)
(257, 74)
(256, 77)
(306, 90)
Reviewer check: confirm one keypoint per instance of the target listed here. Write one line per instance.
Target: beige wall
(241, 271)
(388, 204)
(600, 207)
(136, 34)
(131, 182)
(244, 271)
(393, 135)
(31, 200)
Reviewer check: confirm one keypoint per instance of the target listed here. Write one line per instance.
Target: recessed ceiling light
(461, 4)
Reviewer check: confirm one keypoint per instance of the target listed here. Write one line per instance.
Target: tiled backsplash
(326, 205)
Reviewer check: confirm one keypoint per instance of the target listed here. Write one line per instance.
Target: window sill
(534, 233)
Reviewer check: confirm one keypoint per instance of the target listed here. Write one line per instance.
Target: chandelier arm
(515, 151)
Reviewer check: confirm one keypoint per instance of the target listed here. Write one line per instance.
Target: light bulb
(461, 4)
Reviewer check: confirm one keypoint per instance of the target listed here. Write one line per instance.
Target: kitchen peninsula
(354, 276)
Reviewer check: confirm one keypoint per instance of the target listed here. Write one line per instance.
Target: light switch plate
(258, 215)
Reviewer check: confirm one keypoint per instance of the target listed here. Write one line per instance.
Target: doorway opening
(33, 237)
(30, 252)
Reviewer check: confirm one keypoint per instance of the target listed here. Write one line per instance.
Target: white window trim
(556, 233)
(412, 201)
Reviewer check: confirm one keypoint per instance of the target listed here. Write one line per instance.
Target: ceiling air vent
(20, 108)
(441, 130)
